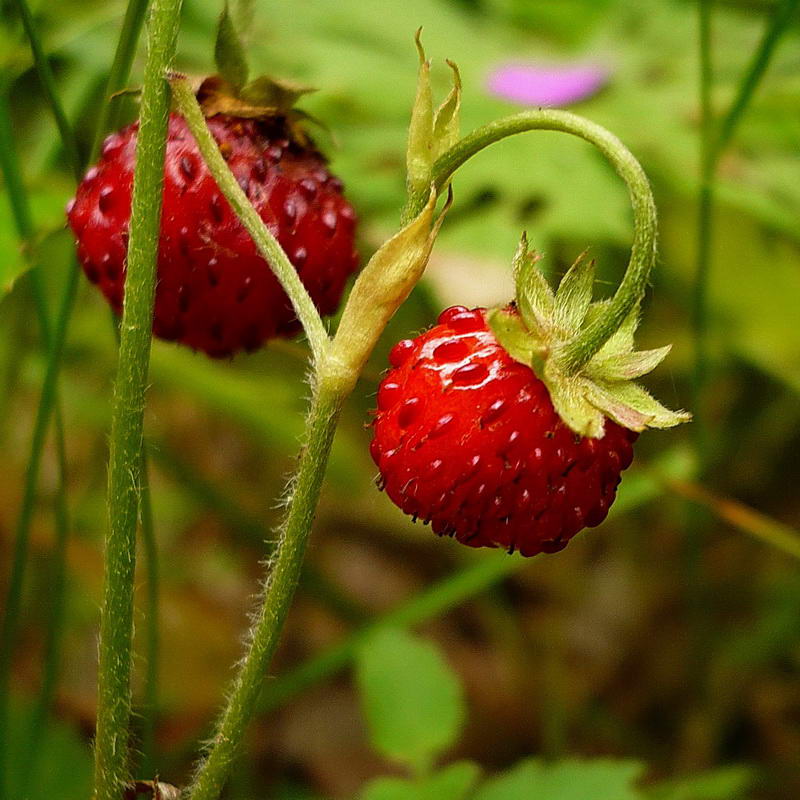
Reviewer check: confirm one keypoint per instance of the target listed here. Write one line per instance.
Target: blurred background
(669, 636)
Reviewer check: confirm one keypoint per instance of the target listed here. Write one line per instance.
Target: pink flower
(553, 85)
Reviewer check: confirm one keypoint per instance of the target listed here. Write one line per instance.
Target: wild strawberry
(215, 292)
(468, 437)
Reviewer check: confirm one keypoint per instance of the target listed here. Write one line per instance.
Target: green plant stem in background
(281, 584)
(704, 233)
(713, 141)
(782, 19)
(266, 243)
(49, 87)
(119, 72)
(116, 624)
(9, 165)
(631, 289)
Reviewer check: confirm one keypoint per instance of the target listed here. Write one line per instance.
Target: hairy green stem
(120, 69)
(49, 86)
(116, 623)
(266, 243)
(149, 711)
(643, 251)
(280, 587)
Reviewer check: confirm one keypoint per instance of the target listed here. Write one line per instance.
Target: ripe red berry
(215, 292)
(468, 439)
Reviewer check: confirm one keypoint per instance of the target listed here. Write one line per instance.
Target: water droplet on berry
(442, 425)
(329, 220)
(188, 168)
(105, 199)
(444, 317)
(217, 209)
(493, 412)
(401, 352)
(308, 188)
(470, 374)
(388, 395)
(409, 411)
(260, 170)
(453, 350)
(299, 257)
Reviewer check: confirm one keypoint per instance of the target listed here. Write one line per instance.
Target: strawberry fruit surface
(215, 292)
(467, 438)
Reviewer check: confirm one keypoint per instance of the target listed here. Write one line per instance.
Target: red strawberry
(467, 438)
(215, 292)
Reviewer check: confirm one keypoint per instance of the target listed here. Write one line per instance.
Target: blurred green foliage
(600, 650)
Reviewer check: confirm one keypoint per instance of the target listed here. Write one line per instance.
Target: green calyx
(232, 92)
(431, 132)
(537, 329)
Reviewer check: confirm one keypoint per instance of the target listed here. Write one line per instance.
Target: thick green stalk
(120, 69)
(284, 575)
(49, 86)
(643, 251)
(266, 243)
(116, 624)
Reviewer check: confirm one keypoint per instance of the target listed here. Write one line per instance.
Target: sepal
(430, 133)
(512, 333)
(542, 323)
(229, 54)
(535, 298)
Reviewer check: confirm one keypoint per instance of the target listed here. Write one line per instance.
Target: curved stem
(266, 243)
(632, 288)
(279, 591)
(116, 623)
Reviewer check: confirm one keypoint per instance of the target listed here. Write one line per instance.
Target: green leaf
(62, 767)
(228, 51)
(571, 779)
(451, 783)
(574, 294)
(412, 700)
(725, 783)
